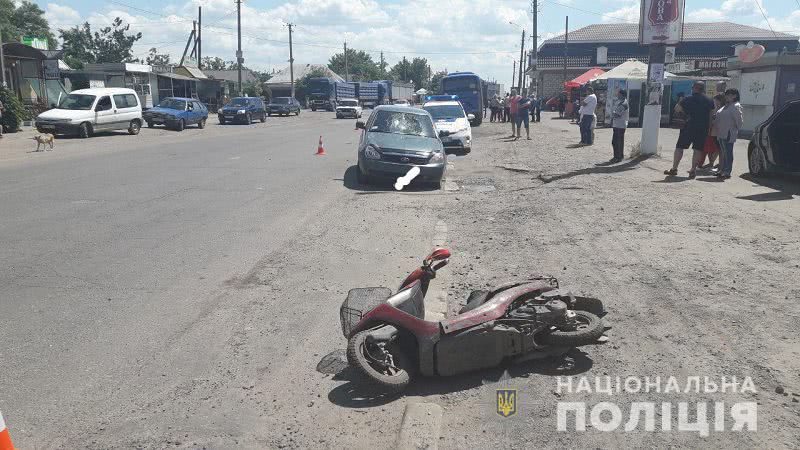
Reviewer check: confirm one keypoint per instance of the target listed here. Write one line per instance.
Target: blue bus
(468, 87)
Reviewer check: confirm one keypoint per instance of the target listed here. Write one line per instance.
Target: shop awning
(584, 78)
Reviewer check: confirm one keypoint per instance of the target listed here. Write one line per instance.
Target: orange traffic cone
(5, 438)
(320, 147)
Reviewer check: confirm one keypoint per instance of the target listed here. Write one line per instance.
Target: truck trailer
(367, 93)
(390, 91)
(326, 92)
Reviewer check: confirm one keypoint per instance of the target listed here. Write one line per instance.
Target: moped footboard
(477, 348)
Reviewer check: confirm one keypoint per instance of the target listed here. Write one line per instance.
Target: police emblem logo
(506, 402)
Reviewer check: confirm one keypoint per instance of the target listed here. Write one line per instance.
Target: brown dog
(43, 140)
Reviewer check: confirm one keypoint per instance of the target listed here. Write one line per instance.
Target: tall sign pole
(239, 59)
(521, 65)
(660, 24)
(291, 58)
(535, 49)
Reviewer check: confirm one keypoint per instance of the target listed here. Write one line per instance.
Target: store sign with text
(661, 22)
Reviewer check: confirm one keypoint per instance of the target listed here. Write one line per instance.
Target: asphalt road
(182, 289)
(174, 287)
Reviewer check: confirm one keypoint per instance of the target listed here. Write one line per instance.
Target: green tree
(156, 59)
(360, 65)
(27, 19)
(435, 84)
(14, 112)
(417, 71)
(109, 45)
(215, 63)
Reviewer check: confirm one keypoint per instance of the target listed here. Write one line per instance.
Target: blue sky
(453, 34)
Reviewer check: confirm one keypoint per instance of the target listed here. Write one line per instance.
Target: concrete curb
(420, 428)
(436, 301)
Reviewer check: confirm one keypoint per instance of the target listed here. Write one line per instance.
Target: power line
(765, 17)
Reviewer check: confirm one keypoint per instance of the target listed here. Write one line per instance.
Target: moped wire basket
(359, 301)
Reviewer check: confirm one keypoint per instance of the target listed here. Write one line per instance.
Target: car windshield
(281, 100)
(348, 103)
(173, 103)
(402, 123)
(238, 102)
(443, 112)
(77, 101)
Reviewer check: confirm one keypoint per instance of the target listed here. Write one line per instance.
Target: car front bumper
(279, 111)
(347, 113)
(234, 116)
(385, 169)
(457, 141)
(58, 127)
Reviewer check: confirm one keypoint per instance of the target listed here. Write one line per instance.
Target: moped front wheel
(387, 366)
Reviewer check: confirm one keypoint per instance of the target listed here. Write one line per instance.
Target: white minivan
(85, 111)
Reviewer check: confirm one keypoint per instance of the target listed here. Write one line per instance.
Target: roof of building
(194, 71)
(301, 70)
(231, 75)
(692, 31)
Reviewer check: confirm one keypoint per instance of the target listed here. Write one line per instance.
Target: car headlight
(437, 157)
(219, 111)
(241, 111)
(371, 152)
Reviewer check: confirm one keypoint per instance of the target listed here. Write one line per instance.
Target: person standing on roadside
(513, 108)
(719, 101)
(619, 122)
(730, 118)
(523, 111)
(586, 112)
(698, 108)
(561, 106)
(506, 108)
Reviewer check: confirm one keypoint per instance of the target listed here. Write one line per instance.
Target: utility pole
(382, 64)
(346, 70)
(291, 58)
(199, 37)
(566, 43)
(535, 50)
(513, 75)
(521, 56)
(2, 60)
(239, 59)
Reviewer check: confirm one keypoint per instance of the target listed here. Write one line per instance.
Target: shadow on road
(628, 165)
(357, 392)
(350, 181)
(785, 186)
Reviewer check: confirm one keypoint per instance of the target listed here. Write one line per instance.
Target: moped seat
(475, 299)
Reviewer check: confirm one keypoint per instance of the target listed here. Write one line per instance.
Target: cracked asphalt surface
(181, 290)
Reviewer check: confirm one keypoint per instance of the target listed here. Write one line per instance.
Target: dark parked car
(397, 138)
(243, 109)
(283, 106)
(177, 113)
(775, 145)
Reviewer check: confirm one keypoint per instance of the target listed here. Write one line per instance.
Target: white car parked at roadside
(85, 111)
(449, 116)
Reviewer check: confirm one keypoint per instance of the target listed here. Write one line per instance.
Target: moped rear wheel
(588, 328)
(369, 359)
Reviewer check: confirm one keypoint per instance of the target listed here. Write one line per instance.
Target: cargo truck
(391, 91)
(367, 93)
(326, 92)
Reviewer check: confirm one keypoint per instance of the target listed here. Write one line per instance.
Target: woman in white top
(727, 122)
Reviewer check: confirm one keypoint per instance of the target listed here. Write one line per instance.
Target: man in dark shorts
(698, 110)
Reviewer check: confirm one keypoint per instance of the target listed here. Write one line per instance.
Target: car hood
(56, 113)
(233, 108)
(278, 105)
(158, 109)
(402, 143)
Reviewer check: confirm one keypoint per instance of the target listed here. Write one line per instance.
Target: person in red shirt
(514, 107)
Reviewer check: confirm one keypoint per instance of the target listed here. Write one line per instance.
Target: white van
(85, 111)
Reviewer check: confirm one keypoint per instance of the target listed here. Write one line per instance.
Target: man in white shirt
(588, 105)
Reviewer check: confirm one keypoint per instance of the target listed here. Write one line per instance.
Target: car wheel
(85, 130)
(134, 127)
(314, 109)
(263, 117)
(756, 161)
(297, 113)
(248, 119)
(150, 124)
(201, 124)
(221, 120)
(180, 125)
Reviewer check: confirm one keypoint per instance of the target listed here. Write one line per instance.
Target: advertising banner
(661, 22)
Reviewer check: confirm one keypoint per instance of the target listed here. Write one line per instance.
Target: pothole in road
(333, 363)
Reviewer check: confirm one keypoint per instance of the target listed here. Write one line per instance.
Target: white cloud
(705, 15)
(628, 13)
(60, 15)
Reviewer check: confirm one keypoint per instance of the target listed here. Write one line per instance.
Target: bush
(14, 112)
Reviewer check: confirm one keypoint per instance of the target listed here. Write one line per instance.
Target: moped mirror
(360, 125)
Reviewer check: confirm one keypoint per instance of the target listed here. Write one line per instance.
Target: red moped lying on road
(390, 341)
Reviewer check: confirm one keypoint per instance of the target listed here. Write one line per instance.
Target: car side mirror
(443, 133)
(470, 116)
(360, 125)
